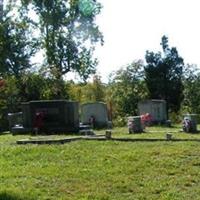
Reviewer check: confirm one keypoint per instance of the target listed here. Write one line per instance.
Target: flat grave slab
(50, 140)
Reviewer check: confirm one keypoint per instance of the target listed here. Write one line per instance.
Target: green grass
(90, 170)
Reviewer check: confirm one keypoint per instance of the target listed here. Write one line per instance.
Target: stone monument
(53, 116)
(156, 108)
(95, 114)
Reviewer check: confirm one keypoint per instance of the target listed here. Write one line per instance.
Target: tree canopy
(16, 46)
(163, 75)
(68, 34)
(127, 88)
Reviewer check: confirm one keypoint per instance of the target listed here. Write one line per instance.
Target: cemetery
(64, 142)
(68, 144)
(156, 108)
(75, 169)
(58, 117)
(95, 114)
(75, 125)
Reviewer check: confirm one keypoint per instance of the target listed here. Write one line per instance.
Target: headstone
(168, 123)
(156, 108)
(108, 134)
(55, 116)
(190, 123)
(168, 136)
(135, 124)
(95, 114)
(14, 119)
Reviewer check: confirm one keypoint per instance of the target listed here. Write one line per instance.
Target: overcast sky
(130, 27)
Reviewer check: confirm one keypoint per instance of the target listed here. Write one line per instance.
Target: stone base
(86, 132)
(20, 130)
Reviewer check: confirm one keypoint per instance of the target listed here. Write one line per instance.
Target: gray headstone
(96, 112)
(135, 124)
(156, 108)
(59, 116)
(14, 119)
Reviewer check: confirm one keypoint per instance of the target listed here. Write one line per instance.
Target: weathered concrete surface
(98, 111)
(156, 108)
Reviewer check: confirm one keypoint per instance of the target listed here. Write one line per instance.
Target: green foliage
(119, 121)
(30, 86)
(90, 92)
(176, 117)
(88, 7)
(55, 89)
(95, 91)
(9, 99)
(191, 89)
(16, 46)
(67, 35)
(34, 86)
(163, 75)
(86, 66)
(126, 89)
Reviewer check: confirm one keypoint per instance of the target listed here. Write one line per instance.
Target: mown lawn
(102, 169)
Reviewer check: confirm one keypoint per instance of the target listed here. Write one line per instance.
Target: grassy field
(94, 170)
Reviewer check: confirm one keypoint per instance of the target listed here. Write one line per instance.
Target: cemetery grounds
(102, 170)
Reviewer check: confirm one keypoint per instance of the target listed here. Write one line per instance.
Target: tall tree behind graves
(16, 45)
(126, 89)
(68, 34)
(191, 83)
(163, 75)
(88, 92)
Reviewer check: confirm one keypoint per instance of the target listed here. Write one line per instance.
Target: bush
(120, 121)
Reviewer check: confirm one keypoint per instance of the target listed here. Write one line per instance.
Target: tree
(163, 75)
(9, 99)
(126, 89)
(89, 92)
(191, 83)
(94, 91)
(67, 27)
(16, 46)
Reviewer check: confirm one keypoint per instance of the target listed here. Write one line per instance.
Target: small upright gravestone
(14, 119)
(190, 123)
(168, 136)
(135, 124)
(108, 134)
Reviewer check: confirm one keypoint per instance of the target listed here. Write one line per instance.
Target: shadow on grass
(12, 196)
(154, 140)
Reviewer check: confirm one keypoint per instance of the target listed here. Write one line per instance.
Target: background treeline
(65, 34)
(125, 89)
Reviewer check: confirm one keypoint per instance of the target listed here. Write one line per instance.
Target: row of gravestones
(155, 112)
(137, 125)
(58, 116)
(63, 116)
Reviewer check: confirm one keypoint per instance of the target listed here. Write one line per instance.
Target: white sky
(130, 27)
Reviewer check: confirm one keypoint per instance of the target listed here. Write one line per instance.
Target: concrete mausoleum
(96, 113)
(51, 116)
(156, 108)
